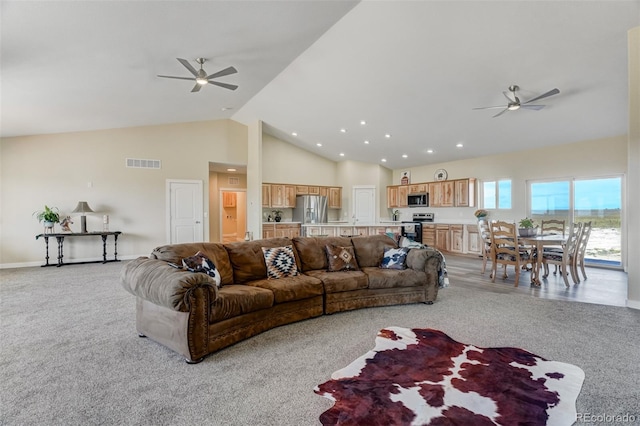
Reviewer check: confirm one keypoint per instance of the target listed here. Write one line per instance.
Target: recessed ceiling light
(294, 134)
(429, 151)
(384, 160)
(387, 135)
(459, 145)
(318, 144)
(404, 155)
(232, 170)
(342, 154)
(366, 142)
(362, 122)
(343, 130)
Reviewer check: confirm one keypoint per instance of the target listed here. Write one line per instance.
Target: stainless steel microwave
(418, 200)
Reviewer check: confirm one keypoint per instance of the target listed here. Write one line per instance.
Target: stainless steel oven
(413, 229)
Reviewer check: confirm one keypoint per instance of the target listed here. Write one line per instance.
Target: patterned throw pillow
(201, 263)
(395, 258)
(280, 262)
(341, 258)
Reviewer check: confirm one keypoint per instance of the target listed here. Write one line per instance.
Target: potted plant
(49, 216)
(396, 215)
(527, 228)
(481, 214)
(277, 215)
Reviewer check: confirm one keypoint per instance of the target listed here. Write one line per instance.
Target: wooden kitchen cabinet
(314, 190)
(229, 199)
(323, 190)
(277, 195)
(289, 196)
(289, 230)
(392, 197)
(335, 198)
(465, 190)
(473, 242)
(302, 190)
(268, 230)
(456, 238)
(429, 234)
(403, 192)
(417, 188)
(448, 193)
(443, 238)
(435, 194)
(266, 195)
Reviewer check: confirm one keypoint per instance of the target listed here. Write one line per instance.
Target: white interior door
(185, 211)
(364, 205)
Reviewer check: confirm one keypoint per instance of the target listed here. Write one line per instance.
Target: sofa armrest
(154, 280)
(421, 259)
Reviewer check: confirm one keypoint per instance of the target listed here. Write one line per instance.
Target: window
(582, 200)
(496, 194)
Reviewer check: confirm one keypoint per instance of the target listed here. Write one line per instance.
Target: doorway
(364, 204)
(184, 211)
(233, 215)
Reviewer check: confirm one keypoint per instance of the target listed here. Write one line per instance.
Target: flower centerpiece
(527, 228)
(481, 214)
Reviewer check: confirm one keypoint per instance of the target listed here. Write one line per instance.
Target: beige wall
(62, 169)
(633, 183)
(353, 173)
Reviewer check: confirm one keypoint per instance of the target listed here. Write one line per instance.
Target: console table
(60, 239)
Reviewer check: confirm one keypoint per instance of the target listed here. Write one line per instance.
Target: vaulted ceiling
(411, 69)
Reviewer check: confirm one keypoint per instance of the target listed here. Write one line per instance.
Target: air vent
(234, 181)
(138, 163)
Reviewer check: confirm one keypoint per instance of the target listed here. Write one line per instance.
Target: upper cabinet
(448, 193)
(278, 195)
(266, 195)
(335, 197)
(283, 196)
(228, 199)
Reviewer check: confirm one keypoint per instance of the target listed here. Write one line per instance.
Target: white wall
(56, 170)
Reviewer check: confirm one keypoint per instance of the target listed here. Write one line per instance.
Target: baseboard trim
(39, 263)
(633, 304)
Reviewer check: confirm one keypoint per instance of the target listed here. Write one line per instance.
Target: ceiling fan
(200, 76)
(514, 103)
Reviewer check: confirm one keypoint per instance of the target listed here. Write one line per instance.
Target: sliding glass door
(582, 200)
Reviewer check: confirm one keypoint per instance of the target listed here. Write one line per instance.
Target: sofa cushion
(235, 300)
(312, 251)
(201, 263)
(336, 282)
(369, 250)
(341, 258)
(391, 278)
(174, 253)
(291, 288)
(247, 259)
(394, 258)
(280, 262)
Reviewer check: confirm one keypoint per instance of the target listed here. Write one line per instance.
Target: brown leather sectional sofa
(189, 314)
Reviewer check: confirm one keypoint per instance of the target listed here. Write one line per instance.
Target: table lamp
(83, 208)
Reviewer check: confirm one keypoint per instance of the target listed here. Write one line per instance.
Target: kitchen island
(344, 229)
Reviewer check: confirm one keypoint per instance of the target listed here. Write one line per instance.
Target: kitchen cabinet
(429, 234)
(443, 237)
(228, 199)
(418, 188)
(289, 196)
(456, 238)
(435, 194)
(314, 190)
(283, 196)
(266, 195)
(324, 191)
(392, 197)
(302, 190)
(447, 193)
(335, 198)
(465, 190)
(473, 242)
(289, 230)
(403, 191)
(268, 230)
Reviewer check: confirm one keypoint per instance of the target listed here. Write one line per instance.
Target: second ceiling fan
(514, 103)
(200, 76)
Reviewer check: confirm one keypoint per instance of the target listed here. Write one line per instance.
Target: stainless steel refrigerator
(310, 209)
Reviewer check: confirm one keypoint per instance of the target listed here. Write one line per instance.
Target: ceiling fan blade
(196, 88)
(225, 85)
(544, 95)
(501, 112)
(491, 107)
(507, 96)
(177, 78)
(536, 107)
(226, 71)
(188, 66)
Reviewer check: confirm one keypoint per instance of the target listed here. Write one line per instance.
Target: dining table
(537, 242)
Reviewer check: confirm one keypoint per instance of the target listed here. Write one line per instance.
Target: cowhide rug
(423, 377)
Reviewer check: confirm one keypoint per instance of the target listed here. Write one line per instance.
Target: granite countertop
(281, 223)
(346, 224)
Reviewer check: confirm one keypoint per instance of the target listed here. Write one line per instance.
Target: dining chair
(485, 235)
(505, 249)
(566, 257)
(553, 227)
(582, 248)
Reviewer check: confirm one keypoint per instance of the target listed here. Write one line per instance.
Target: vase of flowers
(481, 214)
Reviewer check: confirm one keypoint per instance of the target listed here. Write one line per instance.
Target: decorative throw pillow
(280, 262)
(201, 263)
(341, 258)
(395, 258)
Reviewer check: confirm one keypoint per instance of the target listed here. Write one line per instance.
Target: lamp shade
(82, 207)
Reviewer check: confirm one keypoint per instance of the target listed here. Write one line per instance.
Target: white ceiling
(414, 69)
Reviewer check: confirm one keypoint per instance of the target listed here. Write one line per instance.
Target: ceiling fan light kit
(514, 103)
(200, 76)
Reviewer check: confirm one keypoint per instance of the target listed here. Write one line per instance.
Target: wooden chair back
(505, 249)
(552, 227)
(582, 248)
